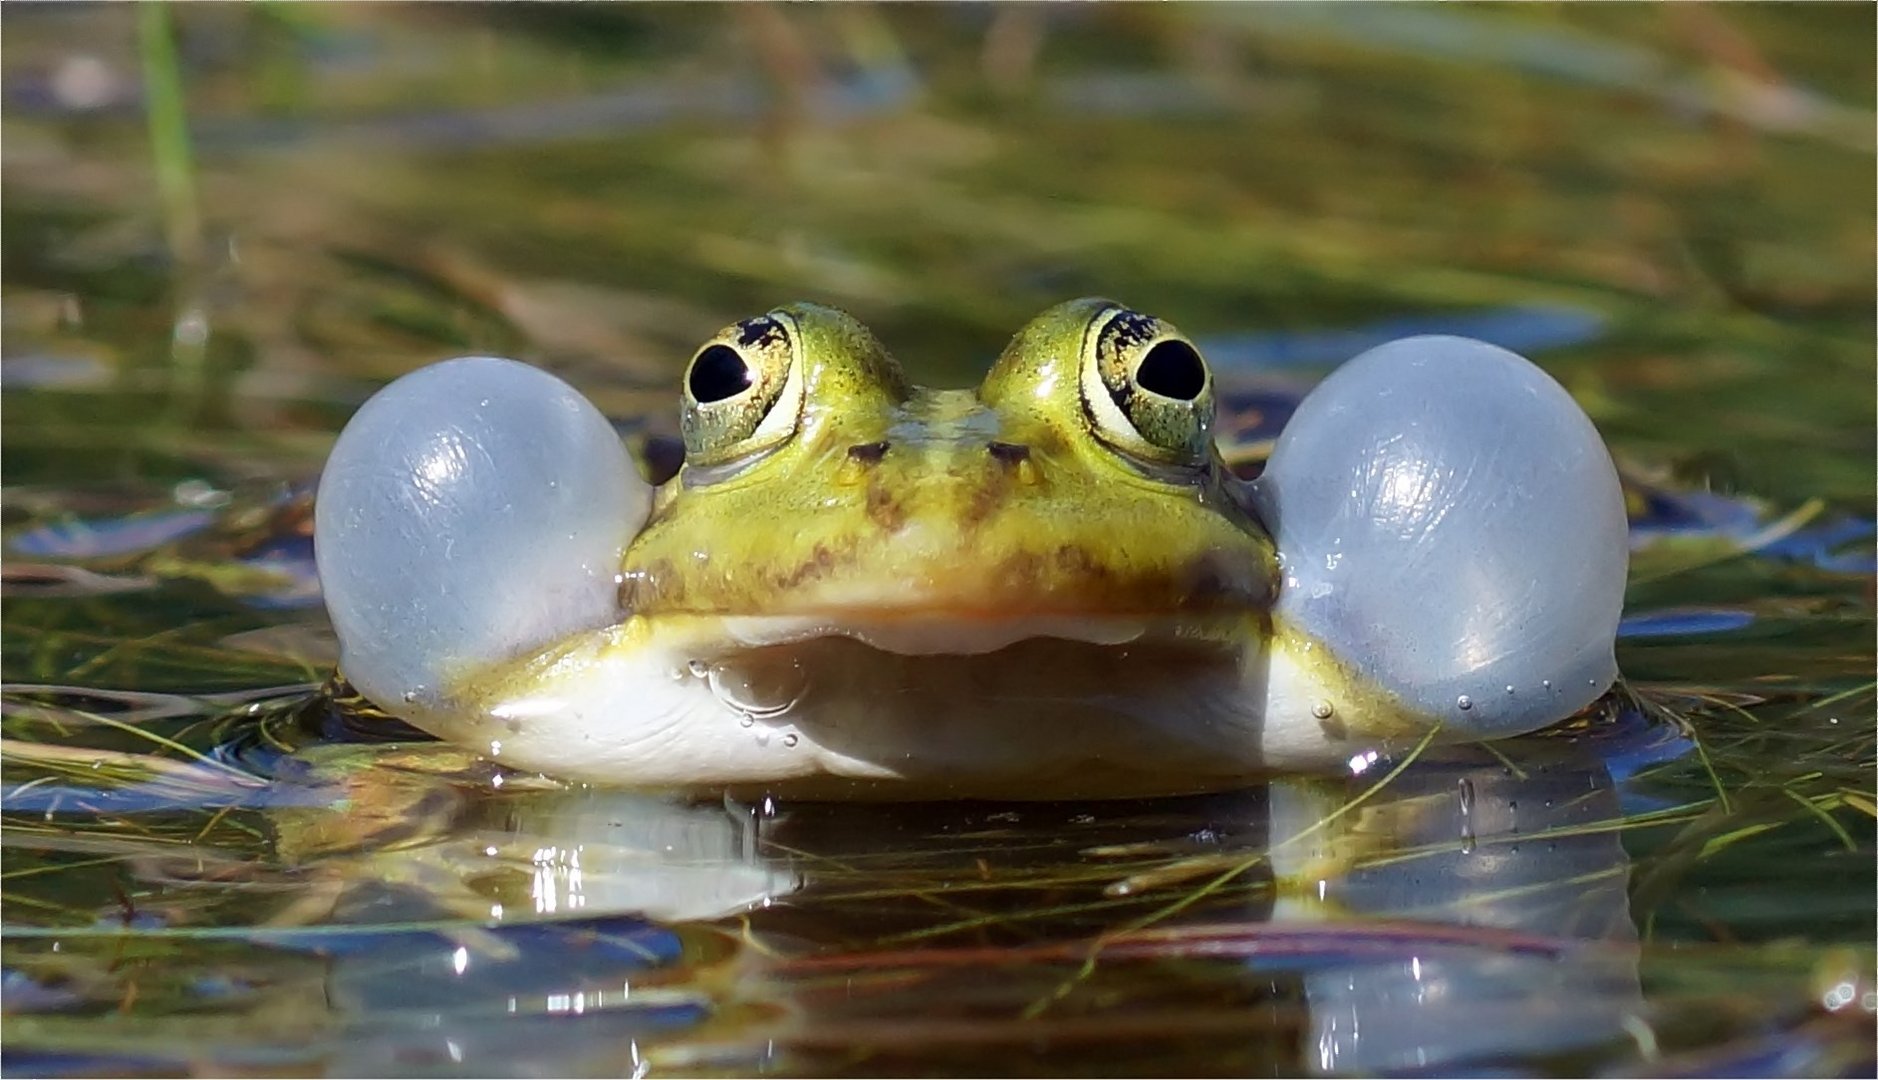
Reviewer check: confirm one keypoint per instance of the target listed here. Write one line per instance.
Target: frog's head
(1076, 493)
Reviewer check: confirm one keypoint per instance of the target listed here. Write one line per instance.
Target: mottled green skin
(884, 499)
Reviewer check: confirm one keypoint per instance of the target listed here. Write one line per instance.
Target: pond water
(225, 226)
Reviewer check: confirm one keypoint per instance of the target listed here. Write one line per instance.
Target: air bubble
(1322, 710)
(790, 739)
(699, 668)
(1464, 702)
(759, 687)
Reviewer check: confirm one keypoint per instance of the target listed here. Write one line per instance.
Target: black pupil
(718, 373)
(1173, 370)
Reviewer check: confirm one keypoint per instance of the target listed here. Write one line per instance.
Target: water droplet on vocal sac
(747, 721)
(790, 739)
(759, 687)
(699, 668)
(1464, 702)
(1322, 710)
(495, 747)
(1467, 816)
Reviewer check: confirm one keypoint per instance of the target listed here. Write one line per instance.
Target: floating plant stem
(1824, 816)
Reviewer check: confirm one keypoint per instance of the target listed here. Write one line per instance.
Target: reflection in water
(506, 1002)
(1470, 910)
(605, 851)
(1471, 842)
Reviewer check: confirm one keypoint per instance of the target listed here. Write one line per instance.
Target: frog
(1047, 586)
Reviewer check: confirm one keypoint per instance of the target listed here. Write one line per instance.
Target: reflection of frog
(1380, 925)
(1047, 586)
(1502, 877)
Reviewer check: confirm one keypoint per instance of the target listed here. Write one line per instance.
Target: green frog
(1047, 586)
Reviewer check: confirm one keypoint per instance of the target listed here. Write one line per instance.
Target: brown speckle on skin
(818, 564)
(1208, 577)
(1020, 572)
(1074, 559)
(987, 498)
(884, 508)
(647, 585)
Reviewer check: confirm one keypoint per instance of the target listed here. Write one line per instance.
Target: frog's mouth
(966, 633)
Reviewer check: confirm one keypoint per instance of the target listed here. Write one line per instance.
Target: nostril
(868, 453)
(1009, 453)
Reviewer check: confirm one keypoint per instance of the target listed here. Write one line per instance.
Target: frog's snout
(950, 483)
(1009, 454)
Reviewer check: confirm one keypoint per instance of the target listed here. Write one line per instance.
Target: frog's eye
(743, 390)
(1147, 390)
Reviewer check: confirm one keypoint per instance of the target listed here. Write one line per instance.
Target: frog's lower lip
(931, 633)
